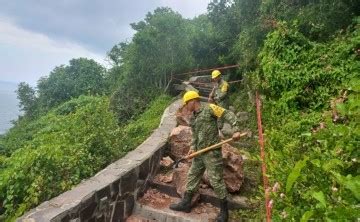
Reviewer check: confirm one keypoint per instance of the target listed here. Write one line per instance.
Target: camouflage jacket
(204, 125)
(220, 92)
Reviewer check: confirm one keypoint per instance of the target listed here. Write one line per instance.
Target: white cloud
(13, 35)
(46, 34)
(187, 8)
(26, 55)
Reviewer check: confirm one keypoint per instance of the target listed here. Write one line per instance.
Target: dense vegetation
(303, 56)
(311, 112)
(68, 144)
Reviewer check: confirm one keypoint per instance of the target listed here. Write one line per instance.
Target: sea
(9, 109)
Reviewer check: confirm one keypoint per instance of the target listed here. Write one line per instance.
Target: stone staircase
(153, 205)
(202, 84)
(148, 212)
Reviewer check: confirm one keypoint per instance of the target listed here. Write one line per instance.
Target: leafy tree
(226, 27)
(253, 30)
(81, 77)
(203, 42)
(27, 98)
(117, 53)
(159, 48)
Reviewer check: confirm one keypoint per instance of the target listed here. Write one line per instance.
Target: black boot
(184, 205)
(224, 211)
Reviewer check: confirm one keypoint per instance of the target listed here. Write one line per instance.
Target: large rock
(180, 179)
(166, 162)
(243, 116)
(183, 116)
(233, 169)
(180, 141)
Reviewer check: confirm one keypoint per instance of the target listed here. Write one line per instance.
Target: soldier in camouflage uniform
(219, 93)
(205, 133)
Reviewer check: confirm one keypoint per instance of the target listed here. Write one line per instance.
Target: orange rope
(262, 154)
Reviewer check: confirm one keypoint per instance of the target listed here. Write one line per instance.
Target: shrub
(312, 154)
(69, 144)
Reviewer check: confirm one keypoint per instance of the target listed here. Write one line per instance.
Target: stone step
(138, 218)
(203, 78)
(154, 207)
(158, 210)
(206, 196)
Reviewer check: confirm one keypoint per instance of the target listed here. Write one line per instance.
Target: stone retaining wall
(111, 193)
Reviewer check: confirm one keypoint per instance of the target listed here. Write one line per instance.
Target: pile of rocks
(180, 140)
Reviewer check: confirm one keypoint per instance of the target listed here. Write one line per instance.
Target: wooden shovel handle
(212, 147)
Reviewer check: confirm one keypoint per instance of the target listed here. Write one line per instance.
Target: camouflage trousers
(212, 161)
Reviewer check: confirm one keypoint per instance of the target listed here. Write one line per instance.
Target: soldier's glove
(190, 152)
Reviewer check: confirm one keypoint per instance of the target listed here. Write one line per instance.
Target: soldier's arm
(211, 96)
(226, 115)
(231, 119)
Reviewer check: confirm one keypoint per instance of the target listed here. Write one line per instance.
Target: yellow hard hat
(215, 74)
(189, 95)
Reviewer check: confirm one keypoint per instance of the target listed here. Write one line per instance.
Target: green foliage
(224, 19)
(318, 19)
(301, 74)
(127, 103)
(159, 48)
(27, 99)
(203, 43)
(286, 48)
(136, 131)
(295, 173)
(81, 77)
(70, 143)
(19, 135)
(63, 150)
(252, 33)
(312, 154)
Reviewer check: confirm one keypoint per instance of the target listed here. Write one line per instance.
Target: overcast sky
(37, 35)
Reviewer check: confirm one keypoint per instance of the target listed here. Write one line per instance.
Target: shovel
(197, 153)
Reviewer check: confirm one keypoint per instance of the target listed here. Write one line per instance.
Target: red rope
(262, 154)
(207, 70)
